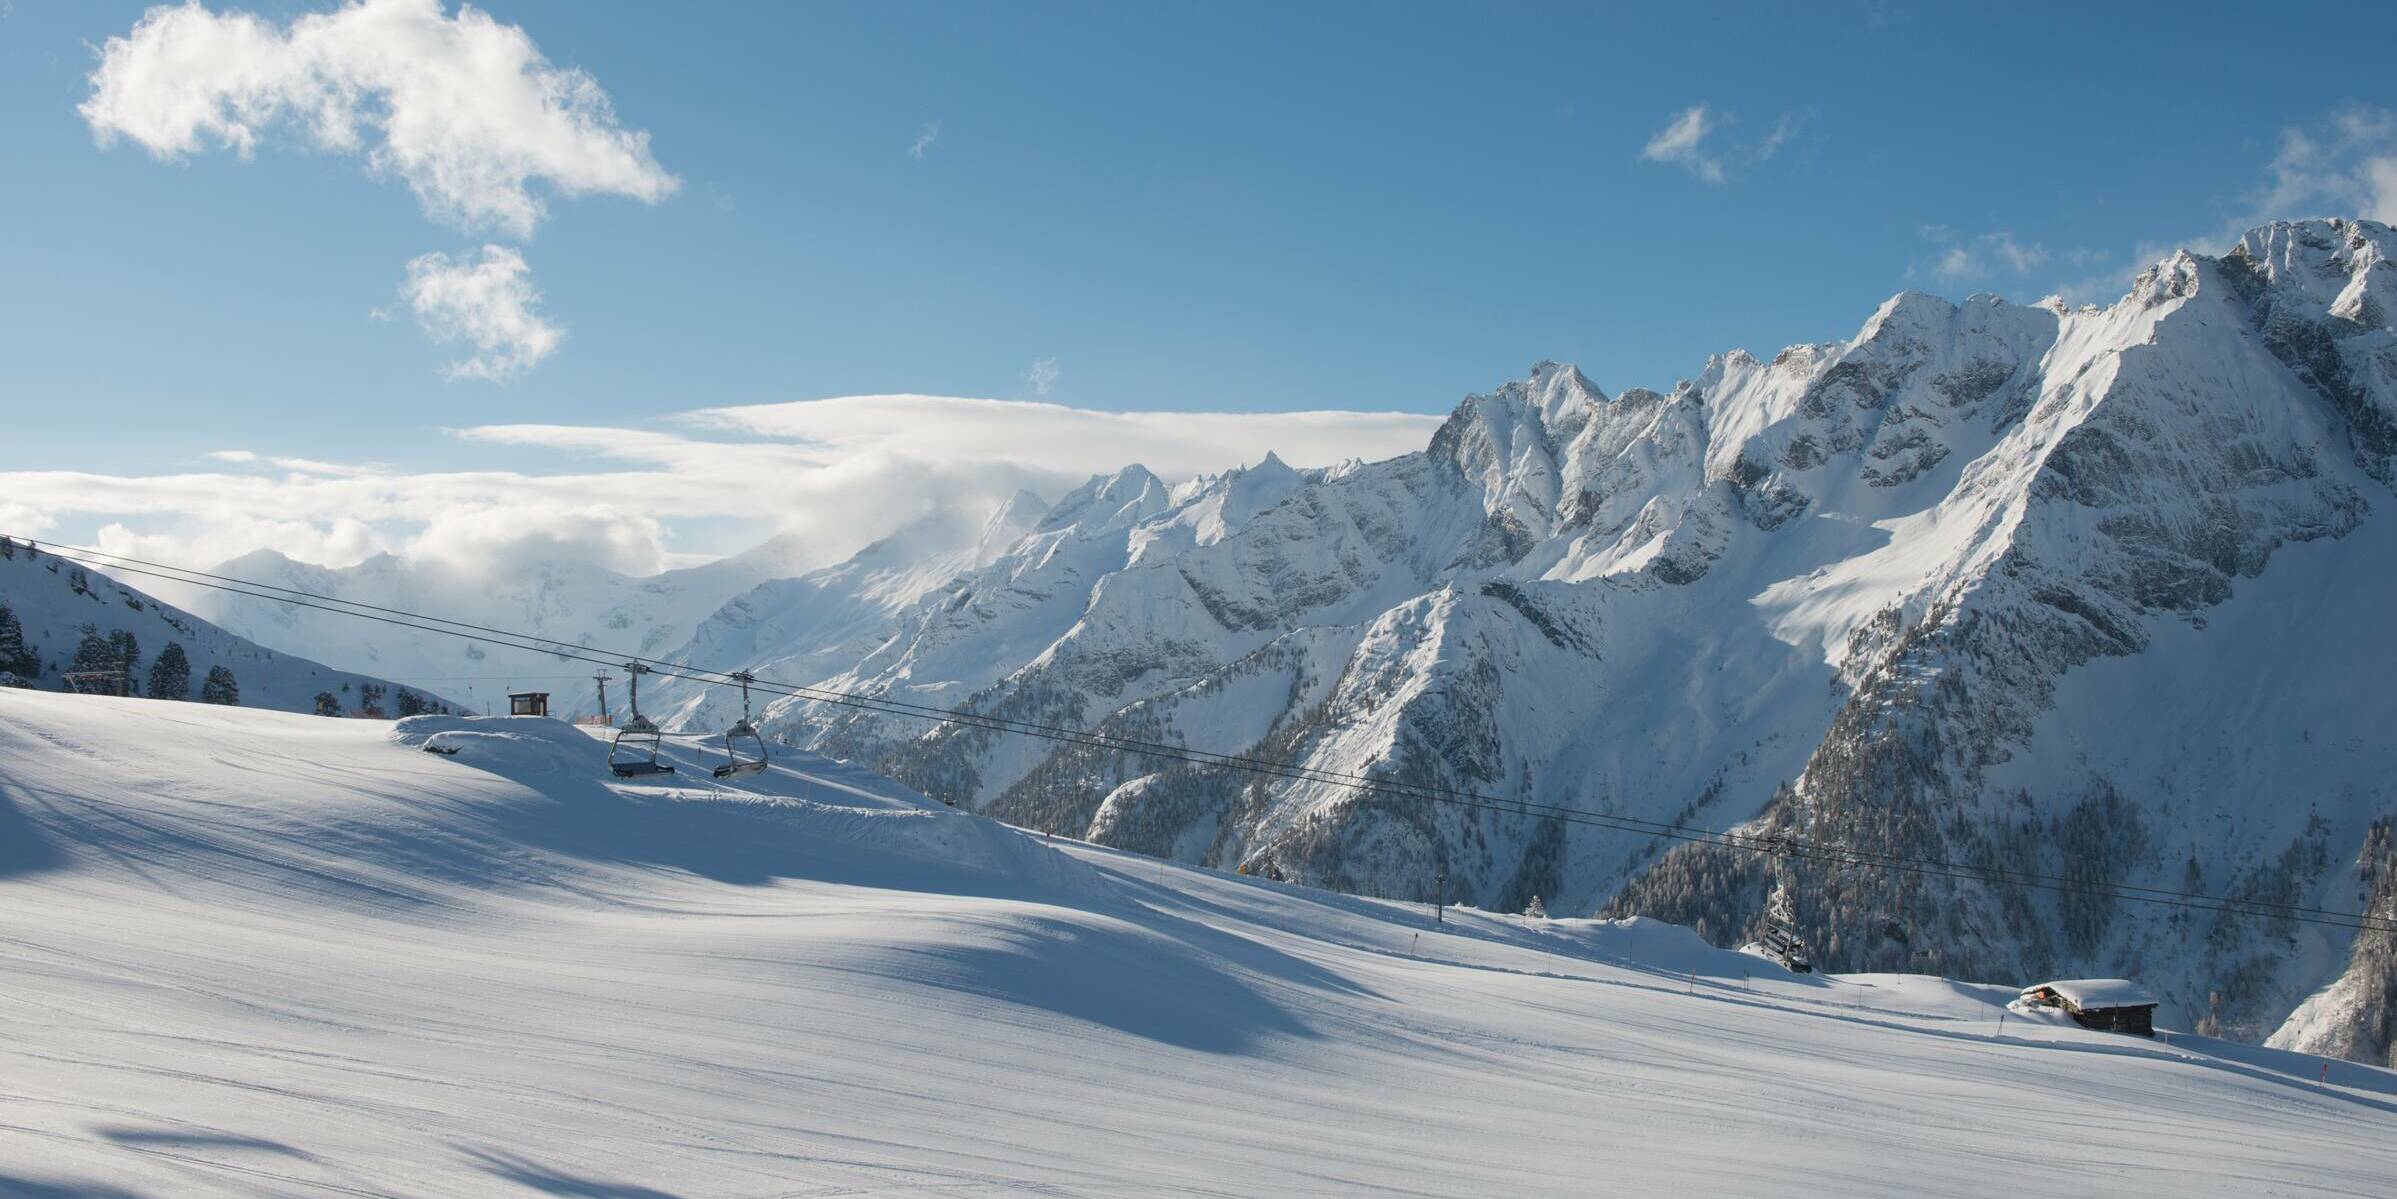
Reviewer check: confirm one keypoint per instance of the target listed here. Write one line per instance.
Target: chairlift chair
(1780, 940)
(742, 735)
(634, 752)
(1781, 943)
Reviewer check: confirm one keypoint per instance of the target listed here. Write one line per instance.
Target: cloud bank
(831, 474)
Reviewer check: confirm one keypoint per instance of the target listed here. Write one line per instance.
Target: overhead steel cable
(1774, 844)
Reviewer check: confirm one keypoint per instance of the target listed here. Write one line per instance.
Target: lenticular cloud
(464, 109)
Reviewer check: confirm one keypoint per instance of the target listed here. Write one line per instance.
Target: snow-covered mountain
(563, 599)
(823, 621)
(53, 605)
(2093, 593)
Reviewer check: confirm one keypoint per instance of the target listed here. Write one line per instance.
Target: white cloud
(1785, 130)
(477, 538)
(24, 520)
(463, 109)
(335, 539)
(2017, 255)
(486, 302)
(1071, 441)
(929, 134)
(312, 466)
(2346, 166)
(1681, 142)
(1980, 257)
(1043, 376)
(1695, 140)
(834, 473)
(304, 466)
(2343, 165)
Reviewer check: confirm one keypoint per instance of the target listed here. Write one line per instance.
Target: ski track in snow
(248, 953)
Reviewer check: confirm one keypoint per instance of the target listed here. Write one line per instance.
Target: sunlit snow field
(247, 953)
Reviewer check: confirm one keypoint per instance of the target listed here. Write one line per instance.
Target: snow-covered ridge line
(62, 617)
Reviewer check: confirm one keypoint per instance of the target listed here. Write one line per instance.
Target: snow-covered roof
(2088, 993)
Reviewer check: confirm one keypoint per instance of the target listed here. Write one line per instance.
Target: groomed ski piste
(252, 953)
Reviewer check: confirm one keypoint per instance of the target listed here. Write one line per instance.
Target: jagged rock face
(2356, 1016)
(1986, 583)
(2171, 453)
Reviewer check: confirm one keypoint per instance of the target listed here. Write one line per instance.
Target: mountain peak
(1106, 501)
(1131, 480)
(1023, 503)
(1021, 514)
(1907, 311)
(2345, 266)
(1557, 381)
(256, 561)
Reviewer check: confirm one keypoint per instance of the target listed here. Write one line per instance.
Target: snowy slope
(54, 600)
(254, 954)
(568, 600)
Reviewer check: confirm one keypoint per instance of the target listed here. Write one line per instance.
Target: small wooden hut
(528, 703)
(2105, 1004)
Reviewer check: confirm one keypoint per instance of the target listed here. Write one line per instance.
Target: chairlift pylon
(634, 752)
(736, 763)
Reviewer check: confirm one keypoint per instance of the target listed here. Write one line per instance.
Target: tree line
(116, 656)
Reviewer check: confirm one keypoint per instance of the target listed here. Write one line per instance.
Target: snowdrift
(251, 953)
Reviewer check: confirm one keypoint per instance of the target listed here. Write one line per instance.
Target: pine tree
(409, 703)
(1535, 909)
(219, 687)
(328, 704)
(370, 694)
(127, 652)
(91, 653)
(170, 675)
(15, 657)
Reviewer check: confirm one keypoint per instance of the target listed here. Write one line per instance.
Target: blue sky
(1175, 207)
